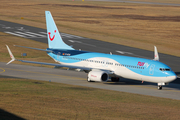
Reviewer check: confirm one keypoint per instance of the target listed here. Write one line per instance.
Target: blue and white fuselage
(122, 66)
(100, 66)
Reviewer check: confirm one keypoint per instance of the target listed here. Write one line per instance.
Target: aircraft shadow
(4, 76)
(177, 81)
(4, 115)
(124, 81)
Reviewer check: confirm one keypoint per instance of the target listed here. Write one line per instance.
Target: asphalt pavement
(171, 91)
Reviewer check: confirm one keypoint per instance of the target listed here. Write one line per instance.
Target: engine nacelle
(99, 76)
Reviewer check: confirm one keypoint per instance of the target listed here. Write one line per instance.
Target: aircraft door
(151, 70)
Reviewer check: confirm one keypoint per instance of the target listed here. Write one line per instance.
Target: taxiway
(171, 91)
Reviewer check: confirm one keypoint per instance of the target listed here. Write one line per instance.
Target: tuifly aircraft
(100, 66)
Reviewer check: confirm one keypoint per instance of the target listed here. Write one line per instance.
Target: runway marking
(46, 74)
(71, 36)
(43, 33)
(156, 88)
(16, 34)
(64, 35)
(173, 90)
(73, 41)
(122, 52)
(25, 34)
(142, 86)
(3, 70)
(36, 34)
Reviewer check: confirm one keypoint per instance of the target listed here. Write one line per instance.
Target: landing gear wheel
(159, 87)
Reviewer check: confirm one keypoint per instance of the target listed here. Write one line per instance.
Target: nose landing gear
(161, 84)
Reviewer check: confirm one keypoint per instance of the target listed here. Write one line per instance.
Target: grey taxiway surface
(79, 78)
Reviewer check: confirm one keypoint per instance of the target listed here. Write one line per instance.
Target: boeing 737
(100, 66)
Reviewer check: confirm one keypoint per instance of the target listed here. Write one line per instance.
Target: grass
(136, 25)
(30, 99)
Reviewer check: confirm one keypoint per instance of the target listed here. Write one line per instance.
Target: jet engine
(99, 76)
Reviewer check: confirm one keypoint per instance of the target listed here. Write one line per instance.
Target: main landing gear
(159, 87)
(114, 79)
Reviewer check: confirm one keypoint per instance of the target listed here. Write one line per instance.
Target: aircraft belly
(126, 73)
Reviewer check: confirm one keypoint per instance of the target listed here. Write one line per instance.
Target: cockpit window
(165, 69)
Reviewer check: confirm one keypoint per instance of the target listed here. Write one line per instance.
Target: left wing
(53, 64)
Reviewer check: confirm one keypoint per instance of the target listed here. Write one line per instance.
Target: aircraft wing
(57, 65)
(53, 64)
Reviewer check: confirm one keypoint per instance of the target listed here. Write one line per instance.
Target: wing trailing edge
(34, 48)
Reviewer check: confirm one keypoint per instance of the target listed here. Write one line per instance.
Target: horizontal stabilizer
(34, 48)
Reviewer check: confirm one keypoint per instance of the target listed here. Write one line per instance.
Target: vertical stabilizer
(54, 38)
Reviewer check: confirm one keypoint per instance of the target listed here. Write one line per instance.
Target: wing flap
(58, 65)
(68, 66)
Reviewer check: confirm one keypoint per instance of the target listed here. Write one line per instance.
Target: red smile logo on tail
(50, 35)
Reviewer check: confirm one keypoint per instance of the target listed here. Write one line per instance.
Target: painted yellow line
(46, 74)
(144, 86)
(173, 90)
(3, 70)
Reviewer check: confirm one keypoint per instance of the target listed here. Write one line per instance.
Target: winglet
(156, 56)
(11, 55)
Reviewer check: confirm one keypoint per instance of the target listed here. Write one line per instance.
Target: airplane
(100, 66)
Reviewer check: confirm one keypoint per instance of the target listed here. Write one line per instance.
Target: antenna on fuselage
(156, 56)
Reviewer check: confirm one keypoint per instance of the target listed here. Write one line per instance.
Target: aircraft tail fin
(11, 55)
(54, 38)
